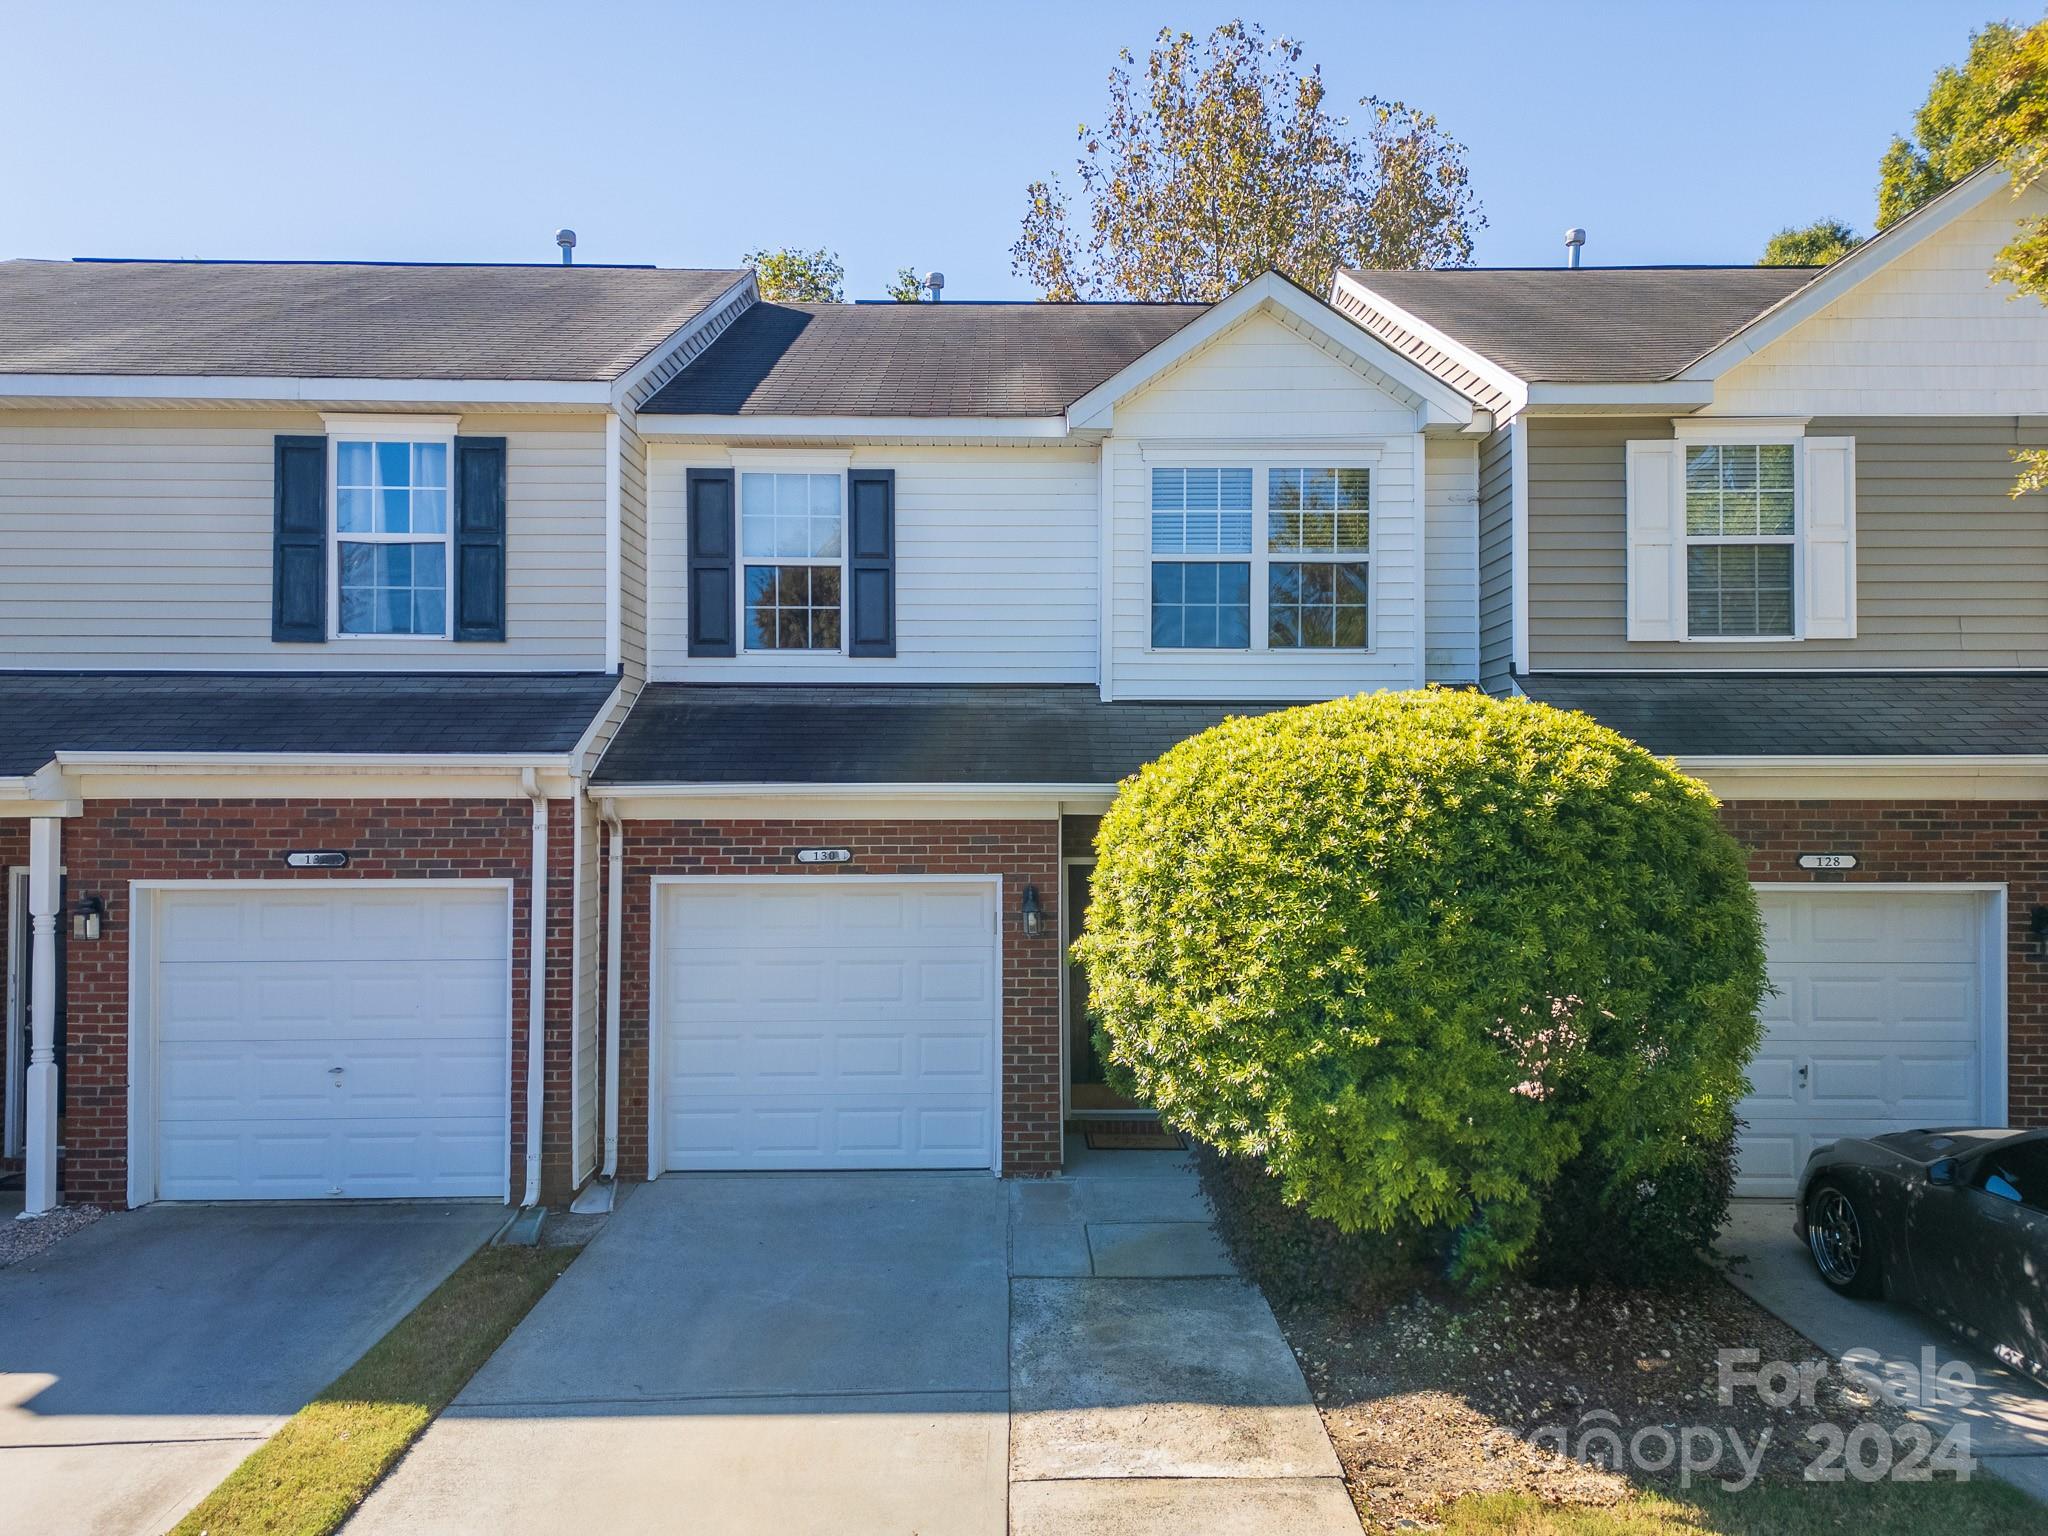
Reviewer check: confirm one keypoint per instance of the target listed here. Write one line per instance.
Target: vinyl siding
(1496, 561)
(143, 540)
(996, 552)
(1950, 570)
(1929, 333)
(1450, 559)
(1264, 381)
(632, 551)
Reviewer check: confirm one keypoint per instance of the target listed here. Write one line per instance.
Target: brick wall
(115, 842)
(1934, 841)
(1022, 852)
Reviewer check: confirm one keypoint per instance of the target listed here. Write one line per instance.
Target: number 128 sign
(1827, 861)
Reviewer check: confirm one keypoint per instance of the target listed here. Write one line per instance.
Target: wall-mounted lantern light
(1033, 913)
(85, 917)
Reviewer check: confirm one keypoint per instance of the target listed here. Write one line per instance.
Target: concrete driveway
(887, 1353)
(2006, 1414)
(143, 1358)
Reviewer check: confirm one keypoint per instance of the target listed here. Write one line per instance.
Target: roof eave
(652, 427)
(263, 388)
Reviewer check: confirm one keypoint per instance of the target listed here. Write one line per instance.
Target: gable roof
(346, 714)
(949, 359)
(1590, 325)
(343, 320)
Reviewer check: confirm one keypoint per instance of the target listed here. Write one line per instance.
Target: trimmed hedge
(1422, 954)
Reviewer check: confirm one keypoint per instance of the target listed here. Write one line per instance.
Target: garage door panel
(869, 1041)
(1876, 1026)
(321, 999)
(213, 1080)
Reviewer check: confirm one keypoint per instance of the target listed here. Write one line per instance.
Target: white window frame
(833, 465)
(1262, 463)
(1745, 434)
(387, 429)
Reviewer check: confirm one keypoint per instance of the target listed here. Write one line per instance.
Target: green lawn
(309, 1476)
(1981, 1507)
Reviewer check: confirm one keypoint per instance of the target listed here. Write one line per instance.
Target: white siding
(1451, 559)
(143, 540)
(1265, 383)
(995, 572)
(1931, 334)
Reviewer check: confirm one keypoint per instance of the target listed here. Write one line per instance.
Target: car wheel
(1842, 1240)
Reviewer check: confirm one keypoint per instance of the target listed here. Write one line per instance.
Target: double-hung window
(391, 533)
(1261, 559)
(792, 553)
(1740, 529)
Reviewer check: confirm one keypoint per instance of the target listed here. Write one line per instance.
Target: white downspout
(536, 983)
(614, 924)
(45, 871)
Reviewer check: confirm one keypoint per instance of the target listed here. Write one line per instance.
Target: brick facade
(1022, 852)
(116, 842)
(1935, 841)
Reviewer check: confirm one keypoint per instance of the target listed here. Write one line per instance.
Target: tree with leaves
(1221, 158)
(1974, 114)
(907, 288)
(790, 276)
(1822, 241)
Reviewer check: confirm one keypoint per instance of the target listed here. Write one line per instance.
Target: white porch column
(44, 862)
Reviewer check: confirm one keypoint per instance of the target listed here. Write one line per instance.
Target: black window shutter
(714, 626)
(871, 561)
(298, 562)
(479, 576)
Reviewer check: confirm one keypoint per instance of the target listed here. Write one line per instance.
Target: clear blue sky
(898, 133)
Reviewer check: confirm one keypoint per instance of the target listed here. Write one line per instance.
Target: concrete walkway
(142, 1358)
(2006, 1414)
(888, 1353)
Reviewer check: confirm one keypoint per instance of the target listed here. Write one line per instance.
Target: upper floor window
(391, 533)
(792, 548)
(1740, 528)
(1288, 570)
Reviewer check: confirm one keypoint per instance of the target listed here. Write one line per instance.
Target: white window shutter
(1829, 538)
(1656, 542)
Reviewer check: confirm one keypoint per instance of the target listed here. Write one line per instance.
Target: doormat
(1135, 1141)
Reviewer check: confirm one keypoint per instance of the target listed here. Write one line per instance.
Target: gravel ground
(1434, 1398)
(25, 1239)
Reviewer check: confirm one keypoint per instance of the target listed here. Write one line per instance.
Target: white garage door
(1877, 1024)
(331, 1040)
(829, 1024)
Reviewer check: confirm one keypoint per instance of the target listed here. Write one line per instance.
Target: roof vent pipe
(566, 239)
(936, 282)
(1574, 242)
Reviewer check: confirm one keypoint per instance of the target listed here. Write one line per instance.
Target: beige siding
(143, 540)
(1496, 561)
(1450, 559)
(1950, 570)
(1266, 382)
(632, 551)
(995, 572)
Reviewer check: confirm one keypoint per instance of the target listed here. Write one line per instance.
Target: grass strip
(1983, 1507)
(310, 1476)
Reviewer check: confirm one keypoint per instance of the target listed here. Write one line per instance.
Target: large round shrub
(1422, 952)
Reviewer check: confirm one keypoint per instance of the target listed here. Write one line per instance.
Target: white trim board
(142, 1023)
(657, 1149)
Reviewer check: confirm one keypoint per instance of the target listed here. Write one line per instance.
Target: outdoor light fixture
(85, 917)
(2037, 924)
(1033, 913)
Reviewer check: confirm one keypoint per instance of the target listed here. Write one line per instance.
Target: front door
(1087, 1090)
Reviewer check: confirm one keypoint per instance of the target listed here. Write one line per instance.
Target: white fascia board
(1944, 776)
(680, 336)
(1650, 394)
(1864, 262)
(730, 428)
(582, 747)
(1441, 404)
(1500, 377)
(863, 791)
(203, 387)
(313, 762)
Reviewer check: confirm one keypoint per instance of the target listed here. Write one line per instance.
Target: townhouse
(468, 730)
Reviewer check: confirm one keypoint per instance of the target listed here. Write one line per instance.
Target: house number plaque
(1827, 861)
(316, 858)
(824, 855)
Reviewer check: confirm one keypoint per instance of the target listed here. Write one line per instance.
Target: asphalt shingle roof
(1812, 714)
(950, 359)
(342, 319)
(1596, 325)
(42, 713)
(691, 733)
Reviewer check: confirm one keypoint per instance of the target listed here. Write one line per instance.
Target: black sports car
(1953, 1221)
